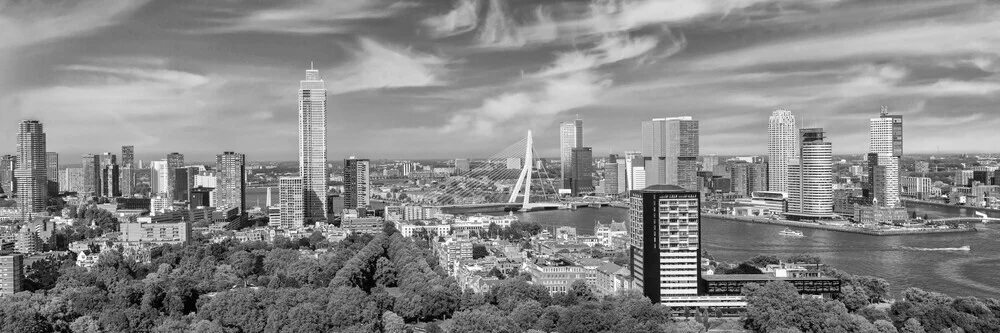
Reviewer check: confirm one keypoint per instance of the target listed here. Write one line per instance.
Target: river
(905, 261)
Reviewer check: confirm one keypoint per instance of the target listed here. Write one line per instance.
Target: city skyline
(442, 73)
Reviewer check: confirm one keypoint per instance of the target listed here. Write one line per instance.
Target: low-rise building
(556, 275)
(158, 233)
(362, 225)
(612, 279)
(606, 233)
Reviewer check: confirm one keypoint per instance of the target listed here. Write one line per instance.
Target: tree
(884, 326)
(853, 298)
(763, 260)
(483, 320)
(246, 264)
(526, 314)
(912, 326)
(392, 323)
(385, 274)
(479, 251)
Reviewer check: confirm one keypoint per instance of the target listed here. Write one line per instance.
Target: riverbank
(941, 204)
(849, 229)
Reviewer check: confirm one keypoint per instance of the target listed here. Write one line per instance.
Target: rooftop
(758, 277)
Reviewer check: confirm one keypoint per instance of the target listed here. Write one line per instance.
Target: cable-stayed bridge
(512, 179)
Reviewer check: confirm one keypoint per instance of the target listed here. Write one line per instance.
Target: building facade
(581, 176)
(782, 145)
(886, 142)
(231, 181)
(8, 163)
(570, 136)
(810, 177)
(52, 172)
(312, 145)
(670, 148)
(665, 249)
(11, 273)
(31, 172)
(357, 183)
(290, 195)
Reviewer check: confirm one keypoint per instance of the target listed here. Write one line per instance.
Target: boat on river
(791, 233)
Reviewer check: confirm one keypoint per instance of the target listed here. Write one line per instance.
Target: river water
(920, 261)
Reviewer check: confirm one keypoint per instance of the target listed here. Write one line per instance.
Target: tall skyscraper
(810, 177)
(664, 243)
(174, 162)
(231, 181)
(782, 145)
(312, 145)
(581, 172)
(110, 176)
(632, 159)
(52, 172)
(290, 202)
(570, 136)
(357, 184)
(886, 138)
(758, 177)
(31, 172)
(160, 177)
(708, 162)
(670, 148)
(8, 163)
(611, 184)
(91, 175)
(127, 181)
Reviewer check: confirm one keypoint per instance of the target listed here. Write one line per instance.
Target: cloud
(611, 49)
(533, 106)
(29, 22)
(305, 16)
(463, 18)
(377, 66)
(499, 28)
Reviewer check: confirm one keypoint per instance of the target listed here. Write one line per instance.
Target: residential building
(357, 183)
(580, 179)
(160, 233)
(670, 148)
(886, 143)
(11, 273)
(570, 137)
(810, 177)
(782, 146)
(290, 196)
(664, 233)
(312, 146)
(757, 177)
(638, 178)
(914, 186)
(556, 275)
(611, 280)
(174, 162)
(91, 175)
(52, 172)
(31, 172)
(231, 180)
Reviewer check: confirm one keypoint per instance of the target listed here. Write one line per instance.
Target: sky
(411, 79)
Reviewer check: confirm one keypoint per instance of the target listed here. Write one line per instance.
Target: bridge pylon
(524, 179)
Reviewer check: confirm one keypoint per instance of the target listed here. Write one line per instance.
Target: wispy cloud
(463, 18)
(305, 16)
(377, 66)
(29, 22)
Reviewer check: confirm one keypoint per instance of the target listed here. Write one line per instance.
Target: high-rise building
(461, 166)
(810, 177)
(312, 145)
(71, 180)
(128, 155)
(31, 172)
(581, 171)
(758, 173)
(708, 162)
(174, 162)
(639, 177)
(611, 184)
(160, 177)
(200, 197)
(290, 202)
(52, 172)
(570, 136)
(231, 181)
(127, 179)
(739, 174)
(632, 160)
(357, 183)
(887, 144)
(664, 243)
(110, 176)
(8, 163)
(11, 273)
(782, 145)
(183, 182)
(670, 148)
(91, 175)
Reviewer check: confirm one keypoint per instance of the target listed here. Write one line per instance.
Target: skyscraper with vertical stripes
(886, 150)
(570, 136)
(31, 172)
(670, 148)
(782, 145)
(312, 146)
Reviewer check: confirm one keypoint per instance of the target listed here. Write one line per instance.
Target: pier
(840, 228)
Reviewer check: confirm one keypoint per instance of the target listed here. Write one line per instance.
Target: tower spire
(311, 66)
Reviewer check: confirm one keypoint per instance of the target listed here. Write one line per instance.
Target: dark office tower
(91, 175)
(128, 156)
(758, 177)
(174, 161)
(357, 183)
(611, 183)
(983, 177)
(127, 180)
(52, 172)
(581, 176)
(7, 165)
(32, 183)
(664, 243)
(670, 147)
(183, 182)
(110, 174)
(231, 181)
(739, 173)
(200, 197)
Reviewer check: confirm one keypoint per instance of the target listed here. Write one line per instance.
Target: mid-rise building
(670, 148)
(160, 233)
(581, 176)
(782, 145)
(31, 172)
(11, 273)
(556, 275)
(290, 190)
(915, 185)
(570, 136)
(810, 177)
(312, 146)
(357, 183)
(231, 180)
(665, 249)
(200, 197)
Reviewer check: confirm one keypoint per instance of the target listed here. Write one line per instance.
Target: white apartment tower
(886, 140)
(290, 204)
(810, 177)
(31, 171)
(570, 136)
(312, 146)
(782, 145)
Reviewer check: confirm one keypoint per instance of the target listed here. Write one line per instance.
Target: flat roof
(759, 277)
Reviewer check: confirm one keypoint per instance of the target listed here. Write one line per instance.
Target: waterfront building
(31, 172)
(810, 177)
(570, 137)
(665, 249)
(8, 163)
(782, 146)
(886, 143)
(357, 183)
(312, 146)
(11, 273)
(231, 181)
(290, 201)
(915, 186)
(739, 174)
(581, 177)
(670, 148)
(52, 172)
